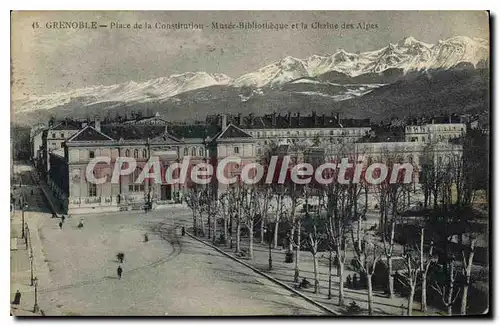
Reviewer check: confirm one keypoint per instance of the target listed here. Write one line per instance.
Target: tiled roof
(66, 125)
(194, 131)
(133, 132)
(89, 133)
(278, 121)
(233, 132)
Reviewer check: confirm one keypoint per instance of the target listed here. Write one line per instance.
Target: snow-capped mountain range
(408, 54)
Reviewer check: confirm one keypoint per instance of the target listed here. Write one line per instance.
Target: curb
(330, 311)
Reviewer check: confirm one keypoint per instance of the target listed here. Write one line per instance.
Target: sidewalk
(284, 272)
(20, 276)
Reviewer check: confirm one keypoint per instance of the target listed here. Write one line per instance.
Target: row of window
(308, 133)
(54, 135)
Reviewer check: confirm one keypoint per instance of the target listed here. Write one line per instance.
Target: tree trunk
(390, 278)
(316, 274)
(250, 246)
(330, 275)
(238, 234)
(450, 299)
(230, 231)
(225, 231)
(290, 243)
(276, 229)
(370, 294)
(463, 307)
(410, 301)
(296, 275)
(202, 225)
(340, 269)
(214, 231)
(262, 230)
(424, 294)
(195, 227)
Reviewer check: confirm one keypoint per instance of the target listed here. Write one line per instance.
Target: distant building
(434, 132)
(69, 147)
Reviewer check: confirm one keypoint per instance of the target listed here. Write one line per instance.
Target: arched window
(193, 151)
(144, 153)
(186, 151)
(127, 153)
(201, 152)
(136, 153)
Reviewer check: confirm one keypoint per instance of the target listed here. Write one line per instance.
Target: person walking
(17, 298)
(60, 225)
(119, 271)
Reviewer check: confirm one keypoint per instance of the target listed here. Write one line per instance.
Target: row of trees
(332, 217)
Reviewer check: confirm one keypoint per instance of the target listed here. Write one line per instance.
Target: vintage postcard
(250, 163)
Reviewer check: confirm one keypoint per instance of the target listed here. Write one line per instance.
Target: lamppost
(35, 307)
(23, 206)
(269, 239)
(31, 268)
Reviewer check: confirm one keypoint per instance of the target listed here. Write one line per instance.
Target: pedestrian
(183, 231)
(80, 225)
(60, 225)
(119, 271)
(355, 281)
(62, 218)
(17, 298)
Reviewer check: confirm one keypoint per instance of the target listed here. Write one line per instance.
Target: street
(168, 275)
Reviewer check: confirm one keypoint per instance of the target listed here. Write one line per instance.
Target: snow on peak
(153, 89)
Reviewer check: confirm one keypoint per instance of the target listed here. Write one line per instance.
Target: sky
(46, 60)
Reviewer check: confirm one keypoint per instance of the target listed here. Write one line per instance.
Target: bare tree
(367, 257)
(444, 284)
(193, 199)
(467, 259)
(410, 275)
(313, 241)
(426, 260)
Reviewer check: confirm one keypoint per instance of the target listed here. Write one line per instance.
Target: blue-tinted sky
(45, 60)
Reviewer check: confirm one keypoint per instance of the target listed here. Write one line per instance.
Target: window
(133, 186)
(91, 154)
(54, 145)
(53, 135)
(62, 145)
(201, 152)
(62, 134)
(92, 189)
(236, 150)
(136, 153)
(193, 151)
(186, 151)
(144, 153)
(127, 153)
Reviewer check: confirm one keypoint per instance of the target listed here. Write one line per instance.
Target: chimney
(240, 120)
(449, 119)
(433, 120)
(97, 124)
(273, 117)
(324, 119)
(338, 117)
(224, 121)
